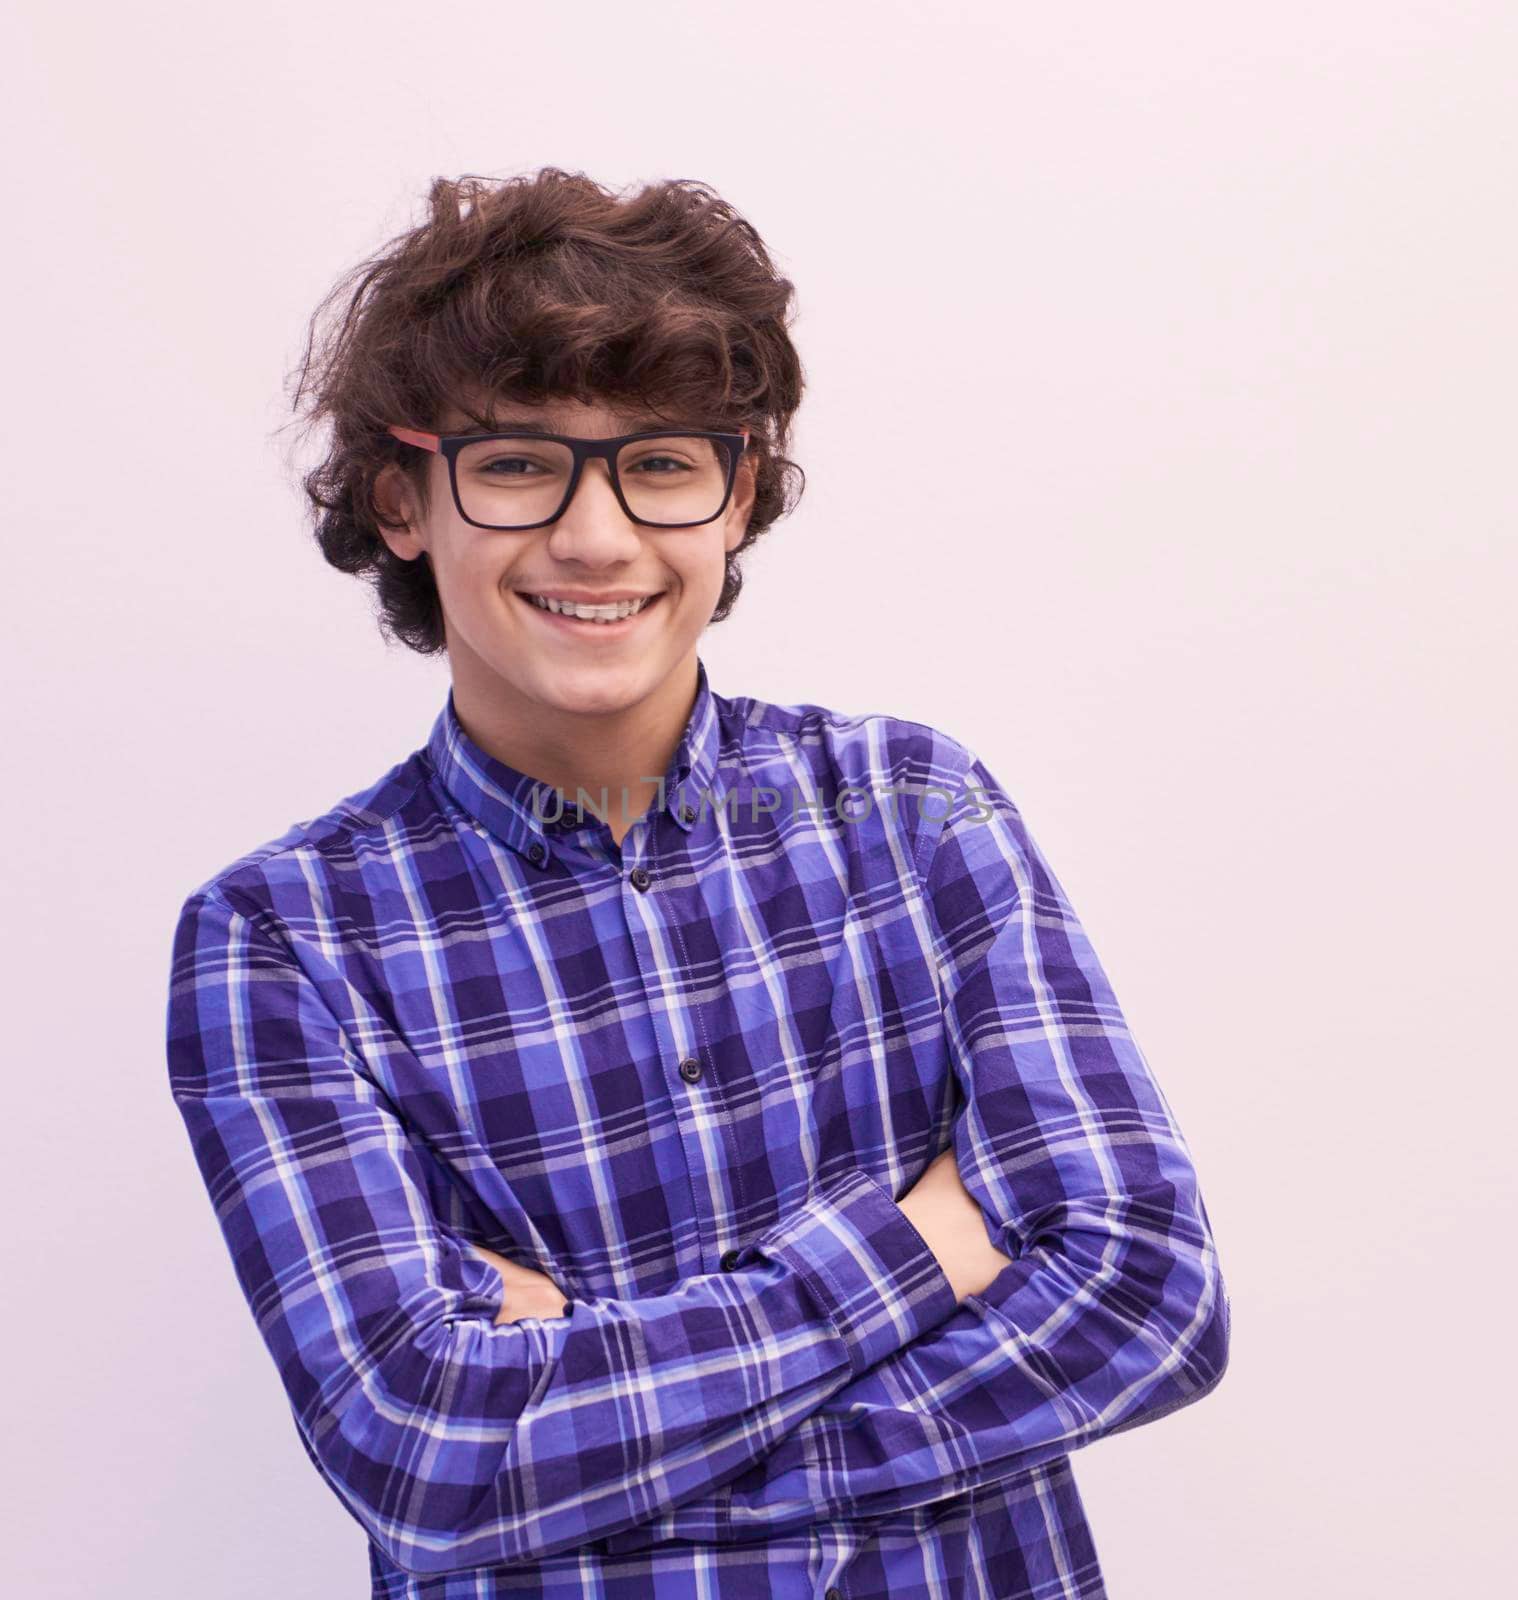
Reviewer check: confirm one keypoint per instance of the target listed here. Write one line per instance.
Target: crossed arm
(458, 1439)
(938, 1205)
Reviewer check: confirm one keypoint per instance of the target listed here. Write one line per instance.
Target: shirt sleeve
(1113, 1310)
(456, 1442)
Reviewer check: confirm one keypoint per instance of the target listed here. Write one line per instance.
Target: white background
(1223, 301)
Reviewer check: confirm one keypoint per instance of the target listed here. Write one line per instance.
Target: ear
(741, 506)
(397, 512)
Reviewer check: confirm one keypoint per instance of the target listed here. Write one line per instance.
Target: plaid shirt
(687, 1079)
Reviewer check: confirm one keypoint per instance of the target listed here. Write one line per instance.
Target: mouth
(609, 621)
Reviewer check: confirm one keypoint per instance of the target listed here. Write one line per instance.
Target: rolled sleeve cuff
(866, 1265)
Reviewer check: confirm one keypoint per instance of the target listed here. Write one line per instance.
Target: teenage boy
(671, 1143)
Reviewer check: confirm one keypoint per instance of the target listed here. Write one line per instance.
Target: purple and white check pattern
(688, 1078)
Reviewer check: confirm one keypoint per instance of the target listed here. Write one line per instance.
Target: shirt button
(688, 813)
(690, 1069)
(640, 878)
(730, 1260)
(535, 853)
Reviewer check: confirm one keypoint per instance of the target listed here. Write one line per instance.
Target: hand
(949, 1217)
(528, 1293)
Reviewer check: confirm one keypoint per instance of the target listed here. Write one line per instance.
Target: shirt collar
(507, 802)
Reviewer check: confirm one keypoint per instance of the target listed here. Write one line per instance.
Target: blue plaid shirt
(687, 1078)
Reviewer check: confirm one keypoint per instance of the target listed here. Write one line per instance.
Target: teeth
(609, 613)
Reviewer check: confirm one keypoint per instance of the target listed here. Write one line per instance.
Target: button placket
(833, 1546)
(653, 923)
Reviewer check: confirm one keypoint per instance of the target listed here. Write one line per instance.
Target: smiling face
(507, 651)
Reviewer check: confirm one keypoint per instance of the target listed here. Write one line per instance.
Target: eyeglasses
(662, 479)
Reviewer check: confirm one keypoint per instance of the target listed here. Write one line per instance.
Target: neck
(615, 756)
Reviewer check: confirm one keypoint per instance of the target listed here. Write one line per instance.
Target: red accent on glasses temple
(427, 441)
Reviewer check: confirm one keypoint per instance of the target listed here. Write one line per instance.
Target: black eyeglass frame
(448, 446)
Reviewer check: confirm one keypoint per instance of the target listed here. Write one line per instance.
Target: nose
(593, 528)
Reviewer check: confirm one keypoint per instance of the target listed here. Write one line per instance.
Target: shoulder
(875, 751)
(285, 872)
(854, 743)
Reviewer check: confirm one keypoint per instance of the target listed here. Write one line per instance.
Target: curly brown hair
(532, 288)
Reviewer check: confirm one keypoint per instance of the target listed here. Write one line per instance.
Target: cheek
(702, 571)
(471, 595)
(468, 569)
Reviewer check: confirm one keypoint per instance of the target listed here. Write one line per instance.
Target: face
(508, 654)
